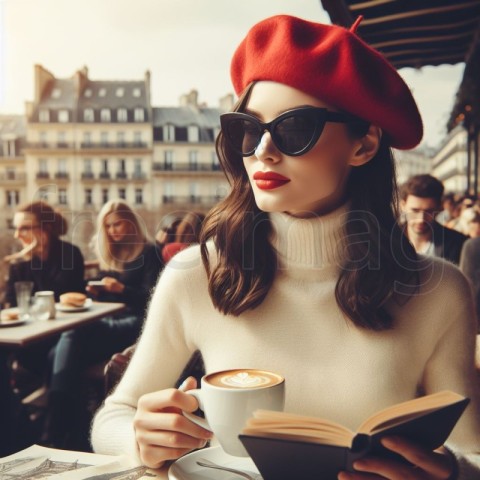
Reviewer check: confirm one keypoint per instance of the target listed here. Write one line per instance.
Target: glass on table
(23, 292)
(40, 308)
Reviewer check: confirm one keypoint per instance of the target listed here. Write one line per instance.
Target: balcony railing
(43, 175)
(121, 175)
(186, 167)
(139, 176)
(105, 175)
(191, 199)
(50, 145)
(88, 176)
(12, 177)
(62, 175)
(112, 145)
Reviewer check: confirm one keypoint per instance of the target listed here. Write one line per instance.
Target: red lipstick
(269, 180)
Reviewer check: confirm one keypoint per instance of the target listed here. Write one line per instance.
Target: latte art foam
(245, 380)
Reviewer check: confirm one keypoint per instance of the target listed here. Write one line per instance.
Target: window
(105, 165)
(193, 133)
(139, 115)
(168, 133)
(44, 115)
(193, 191)
(168, 159)
(104, 138)
(10, 173)
(193, 160)
(42, 165)
(122, 193)
(13, 198)
(102, 92)
(88, 115)
(104, 195)
(62, 167)
(88, 196)
(122, 165)
(87, 138)
(105, 115)
(215, 162)
(56, 92)
(63, 116)
(137, 138)
(136, 92)
(122, 115)
(138, 196)
(120, 92)
(87, 166)
(121, 139)
(43, 194)
(61, 139)
(137, 167)
(62, 196)
(42, 137)
(87, 93)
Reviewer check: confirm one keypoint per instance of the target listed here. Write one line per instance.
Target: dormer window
(168, 133)
(56, 92)
(139, 115)
(63, 116)
(102, 92)
(44, 115)
(87, 93)
(122, 115)
(105, 115)
(137, 92)
(193, 133)
(120, 92)
(88, 115)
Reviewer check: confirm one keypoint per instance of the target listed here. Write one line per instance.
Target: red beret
(334, 65)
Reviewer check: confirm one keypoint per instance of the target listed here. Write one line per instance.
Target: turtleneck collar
(309, 243)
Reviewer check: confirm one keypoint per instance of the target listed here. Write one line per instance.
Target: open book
(286, 446)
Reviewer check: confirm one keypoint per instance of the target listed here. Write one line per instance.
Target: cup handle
(197, 393)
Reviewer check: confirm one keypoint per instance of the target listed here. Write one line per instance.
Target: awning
(415, 33)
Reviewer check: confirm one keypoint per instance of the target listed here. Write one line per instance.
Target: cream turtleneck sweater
(332, 368)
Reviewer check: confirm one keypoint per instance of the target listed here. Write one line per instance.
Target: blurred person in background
(187, 233)
(420, 202)
(129, 267)
(448, 204)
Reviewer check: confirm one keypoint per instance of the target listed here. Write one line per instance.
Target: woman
(47, 261)
(305, 271)
(129, 267)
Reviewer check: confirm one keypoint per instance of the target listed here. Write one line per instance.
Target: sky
(185, 44)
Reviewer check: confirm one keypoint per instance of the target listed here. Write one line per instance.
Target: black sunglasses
(294, 132)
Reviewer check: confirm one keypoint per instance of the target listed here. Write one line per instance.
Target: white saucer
(68, 308)
(186, 468)
(11, 323)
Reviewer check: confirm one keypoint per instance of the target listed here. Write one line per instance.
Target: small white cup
(47, 296)
(229, 404)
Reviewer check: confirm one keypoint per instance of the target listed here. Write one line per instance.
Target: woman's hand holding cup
(161, 431)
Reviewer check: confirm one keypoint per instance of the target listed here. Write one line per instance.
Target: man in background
(421, 201)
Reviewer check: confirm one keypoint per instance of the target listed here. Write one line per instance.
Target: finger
(171, 439)
(436, 464)
(387, 469)
(154, 457)
(170, 397)
(188, 384)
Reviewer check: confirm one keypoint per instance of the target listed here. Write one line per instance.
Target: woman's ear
(367, 147)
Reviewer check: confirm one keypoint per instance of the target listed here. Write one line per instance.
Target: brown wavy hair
(378, 263)
(50, 220)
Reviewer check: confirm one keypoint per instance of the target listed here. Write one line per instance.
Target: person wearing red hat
(303, 268)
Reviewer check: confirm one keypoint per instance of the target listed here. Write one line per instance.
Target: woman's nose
(266, 149)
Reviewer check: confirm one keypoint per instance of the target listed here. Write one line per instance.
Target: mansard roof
(203, 117)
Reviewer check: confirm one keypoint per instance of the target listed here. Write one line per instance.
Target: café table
(20, 336)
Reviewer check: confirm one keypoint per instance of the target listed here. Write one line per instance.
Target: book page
(39, 463)
(404, 411)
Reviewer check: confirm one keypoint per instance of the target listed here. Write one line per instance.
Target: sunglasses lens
(244, 135)
(292, 134)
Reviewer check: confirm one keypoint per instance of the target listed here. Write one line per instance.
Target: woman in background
(129, 267)
(46, 260)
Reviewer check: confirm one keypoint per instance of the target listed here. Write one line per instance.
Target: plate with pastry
(9, 318)
(73, 302)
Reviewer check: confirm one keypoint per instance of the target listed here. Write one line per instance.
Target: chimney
(189, 99)
(226, 103)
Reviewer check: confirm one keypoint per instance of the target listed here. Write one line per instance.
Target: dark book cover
(281, 459)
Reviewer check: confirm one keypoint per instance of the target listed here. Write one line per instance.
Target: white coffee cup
(47, 296)
(229, 398)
